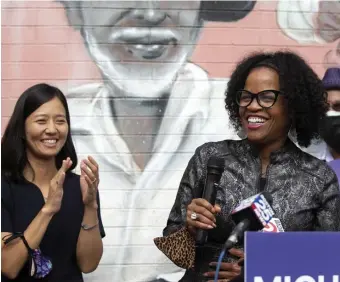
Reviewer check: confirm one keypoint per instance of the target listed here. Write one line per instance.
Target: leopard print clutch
(179, 247)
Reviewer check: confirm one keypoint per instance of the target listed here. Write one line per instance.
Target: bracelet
(10, 237)
(86, 227)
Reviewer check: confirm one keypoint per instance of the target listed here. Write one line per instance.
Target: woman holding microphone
(270, 97)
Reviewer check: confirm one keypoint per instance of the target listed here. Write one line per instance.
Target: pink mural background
(38, 45)
(141, 166)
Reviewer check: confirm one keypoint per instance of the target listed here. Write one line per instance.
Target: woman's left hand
(89, 181)
(227, 271)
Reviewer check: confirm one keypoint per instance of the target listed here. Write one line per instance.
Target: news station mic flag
(254, 214)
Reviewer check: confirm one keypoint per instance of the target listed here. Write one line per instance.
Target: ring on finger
(193, 216)
(94, 180)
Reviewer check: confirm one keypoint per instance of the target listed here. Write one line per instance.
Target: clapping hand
(89, 181)
(56, 190)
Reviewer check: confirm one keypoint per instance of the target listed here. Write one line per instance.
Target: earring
(292, 134)
(241, 133)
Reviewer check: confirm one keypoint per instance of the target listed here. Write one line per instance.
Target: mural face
(145, 83)
(124, 38)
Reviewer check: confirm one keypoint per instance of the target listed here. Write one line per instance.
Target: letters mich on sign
(292, 257)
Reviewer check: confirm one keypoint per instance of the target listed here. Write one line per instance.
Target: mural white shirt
(327, 156)
(319, 150)
(135, 204)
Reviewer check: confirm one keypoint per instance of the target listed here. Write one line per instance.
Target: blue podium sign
(292, 257)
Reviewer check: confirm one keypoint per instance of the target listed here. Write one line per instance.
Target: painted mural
(145, 82)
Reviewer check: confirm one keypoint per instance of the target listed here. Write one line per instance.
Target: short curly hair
(307, 100)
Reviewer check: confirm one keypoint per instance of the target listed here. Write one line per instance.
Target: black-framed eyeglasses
(265, 98)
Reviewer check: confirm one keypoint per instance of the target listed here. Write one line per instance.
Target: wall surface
(145, 83)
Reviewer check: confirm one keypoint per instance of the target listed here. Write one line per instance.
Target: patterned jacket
(305, 190)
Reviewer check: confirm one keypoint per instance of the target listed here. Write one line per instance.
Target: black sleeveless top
(21, 202)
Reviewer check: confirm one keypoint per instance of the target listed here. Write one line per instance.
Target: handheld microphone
(251, 214)
(215, 169)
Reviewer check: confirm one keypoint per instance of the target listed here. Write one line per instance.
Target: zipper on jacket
(257, 185)
(258, 182)
(267, 173)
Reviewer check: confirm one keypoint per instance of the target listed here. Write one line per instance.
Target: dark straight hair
(13, 143)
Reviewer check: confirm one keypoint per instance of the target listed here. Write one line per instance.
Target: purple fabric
(335, 165)
(42, 263)
(331, 79)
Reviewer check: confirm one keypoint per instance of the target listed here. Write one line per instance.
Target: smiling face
(46, 130)
(264, 126)
(140, 46)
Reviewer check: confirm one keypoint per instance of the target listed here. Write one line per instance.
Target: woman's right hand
(56, 191)
(205, 214)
